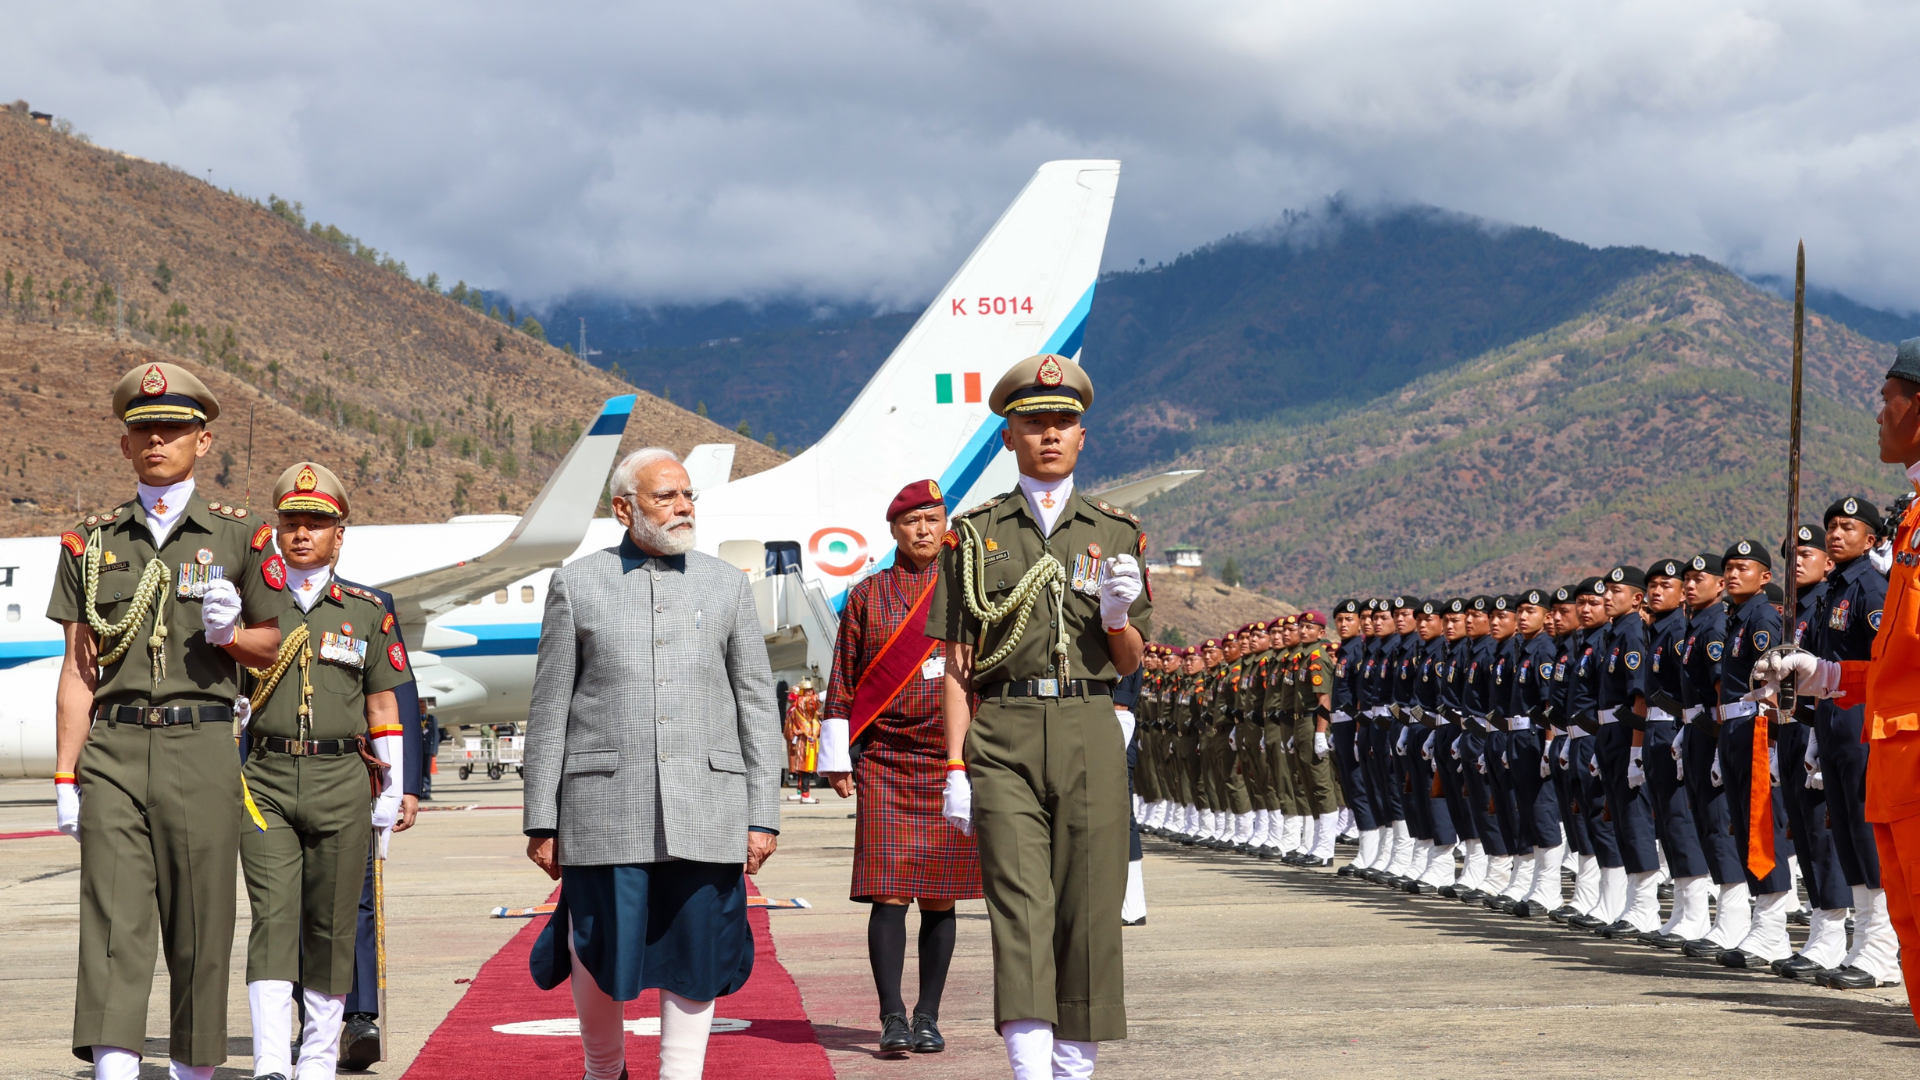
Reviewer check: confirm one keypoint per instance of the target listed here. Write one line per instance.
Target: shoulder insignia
(274, 572)
(333, 590)
(260, 537)
(951, 540)
(92, 520)
(214, 506)
(1874, 619)
(1114, 512)
(75, 544)
(397, 656)
(988, 505)
(386, 624)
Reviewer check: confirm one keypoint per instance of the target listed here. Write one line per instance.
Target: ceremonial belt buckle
(1046, 688)
(156, 717)
(296, 748)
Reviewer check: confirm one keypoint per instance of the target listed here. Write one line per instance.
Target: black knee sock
(936, 952)
(887, 952)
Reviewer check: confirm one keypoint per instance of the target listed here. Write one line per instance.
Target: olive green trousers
(306, 871)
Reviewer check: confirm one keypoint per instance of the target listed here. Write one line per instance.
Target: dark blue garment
(1533, 676)
(365, 995)
(1705, 648)
(1844, 629)
(679, 926)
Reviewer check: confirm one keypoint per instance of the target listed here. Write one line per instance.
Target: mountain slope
(1653, 425)
(425, 407)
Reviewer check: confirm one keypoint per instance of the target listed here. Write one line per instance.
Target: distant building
(44, 119)
(1186, 560)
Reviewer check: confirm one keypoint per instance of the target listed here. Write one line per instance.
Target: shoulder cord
(295, 645)
(149, 596)
(1046, 573)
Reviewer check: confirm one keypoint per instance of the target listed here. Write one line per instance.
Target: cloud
(858, 149)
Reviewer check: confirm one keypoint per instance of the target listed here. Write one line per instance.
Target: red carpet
(29, 835)
(779, 1044)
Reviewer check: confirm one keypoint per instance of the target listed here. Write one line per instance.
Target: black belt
(313, 748)
(1050, 688)
(152, 716)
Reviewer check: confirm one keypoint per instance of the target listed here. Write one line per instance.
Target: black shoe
(1562, 913)
(1270, 852)
(1800, 918)
(1451, 892)
(1583, 922)
(1420, 888)
(926, 1034)
(1529, 909)
(1665, 891)
(1499, 903)
(1473, 896)
(1141, 921)
(272, 1076)
(1619, 928)
(1703, 949)
(895, 1036)
(1796, 966)
(1346, 838)
(359, 1042)
(1314, 862)
(1738, 958)
(1662, 941)
(1848, 978)
(1349, 870)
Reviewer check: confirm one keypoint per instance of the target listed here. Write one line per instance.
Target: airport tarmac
(1243, 970)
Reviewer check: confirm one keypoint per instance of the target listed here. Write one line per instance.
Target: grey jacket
(653, 732)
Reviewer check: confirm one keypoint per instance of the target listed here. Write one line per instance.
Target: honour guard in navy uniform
(1621, 709)
(1844, 629)
(1700, 755)
(163, 599)
(1424, 752)
(1512, 877)
(1040, 634)
(1759, 823)
(1537, 805)
(1344, 729)
(1673, 823)
(325, 743)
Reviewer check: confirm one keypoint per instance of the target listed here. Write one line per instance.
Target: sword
(1789, 700)
(380, 941)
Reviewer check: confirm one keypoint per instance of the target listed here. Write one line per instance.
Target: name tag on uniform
(934, 668)
(195, 577)
(343, 650)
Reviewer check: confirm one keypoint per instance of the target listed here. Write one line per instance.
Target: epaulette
(989, 504)
(231, 513)
(104, 517)
(1111, 510)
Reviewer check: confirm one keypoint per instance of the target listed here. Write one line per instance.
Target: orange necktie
(1760, 860)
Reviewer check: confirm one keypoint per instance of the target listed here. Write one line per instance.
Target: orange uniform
(1889, 683)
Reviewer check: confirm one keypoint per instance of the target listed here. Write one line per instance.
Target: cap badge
(1851, 506)
(1616, 575)
(1699, 563)
(1744, 548)
(154, 382)
(1050, 373)
(307, 480)
(933, 490)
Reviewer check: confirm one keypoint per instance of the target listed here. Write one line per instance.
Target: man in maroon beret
(884, 699)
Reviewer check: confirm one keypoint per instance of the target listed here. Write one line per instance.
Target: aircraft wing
(550, 530)
(1129, 495)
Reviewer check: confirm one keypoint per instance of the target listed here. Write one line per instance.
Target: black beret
(1775, 594)
(1627, 575)
(1708, 563)
(1748, 549)
(1672, 568)
(1402, 603)
(1456, 605)
(1505, 602)
(1855, 507)
(1537, 597)
(1564, 594)
(1347, 607)
(1906, 361)
(1804, 536)
(1595, 585)
(1430, 607)
(1481, 603)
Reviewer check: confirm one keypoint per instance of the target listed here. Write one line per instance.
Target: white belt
(1609, 716)
(1579, 733)
(1519, 723)
(1379, 712)
(1658, 715)
(1691, 713)
(1736, 710)
(1485, 723)
(1341, 716)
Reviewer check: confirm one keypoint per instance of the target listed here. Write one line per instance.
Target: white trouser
(1691, 918)
(1326, 829)
(1473, 868)
(1439, 870)
(114, 1063)
(1369, 849)
(1547, 889)
(1767, 937)
(1733, 916)
(1134, 904)
(1876, 949)
(1036, 1055)
(1586, 885)
(1643, 901)
(1613, 894)
(684, 1027)
(1826, 937)
(1243, 828)
(1399, 854)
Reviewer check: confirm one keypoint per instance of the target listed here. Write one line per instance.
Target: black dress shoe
(1848, 978)
(1269, 852)
(926, 1034)
(1349, 870)
(359, 1042)
(1800, 918)
(895, 1036)
(1703, 948)
(1562, 913)
(1662, 941)
(1499, 903)
(1314, 862)
(1346, 838)
(1665, 891)
(1451, 892)
(1420, 888)
(1617, 929)
(1472, 896)
(1529, 909)
(1583, 922)
(1141, 921)
(1796, 966)
(1739, 958)
(272, 1076)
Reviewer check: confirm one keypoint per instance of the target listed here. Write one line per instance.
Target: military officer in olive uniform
(324, 719)
(163, 598)
(1041, 595)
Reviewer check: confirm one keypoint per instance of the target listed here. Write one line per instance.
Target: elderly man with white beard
(652, 774)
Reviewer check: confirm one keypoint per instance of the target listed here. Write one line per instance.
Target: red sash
(898, 662)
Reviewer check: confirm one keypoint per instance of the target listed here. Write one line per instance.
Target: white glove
(1882, 557)
(242, 712)
(1593, 765)
(1125, 716)
(1426, 747)
(1812, 676)
(1636, 770)
(1566, 748)
(1546, 767)
(833, 755)
(220, 611)
(1322, 746)
(956, 803)
(1481, 764)
(1713, 774)
(1118, 590)
(1815, 779)
(1773, 765)
(1679, 739)
(386, 808)
(66, 808)
(1401, 746)
(384, 836)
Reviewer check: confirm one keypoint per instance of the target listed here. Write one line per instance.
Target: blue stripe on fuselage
(497, 639)
(15, 653)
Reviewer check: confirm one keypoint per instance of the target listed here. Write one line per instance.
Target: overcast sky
(851, 149)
